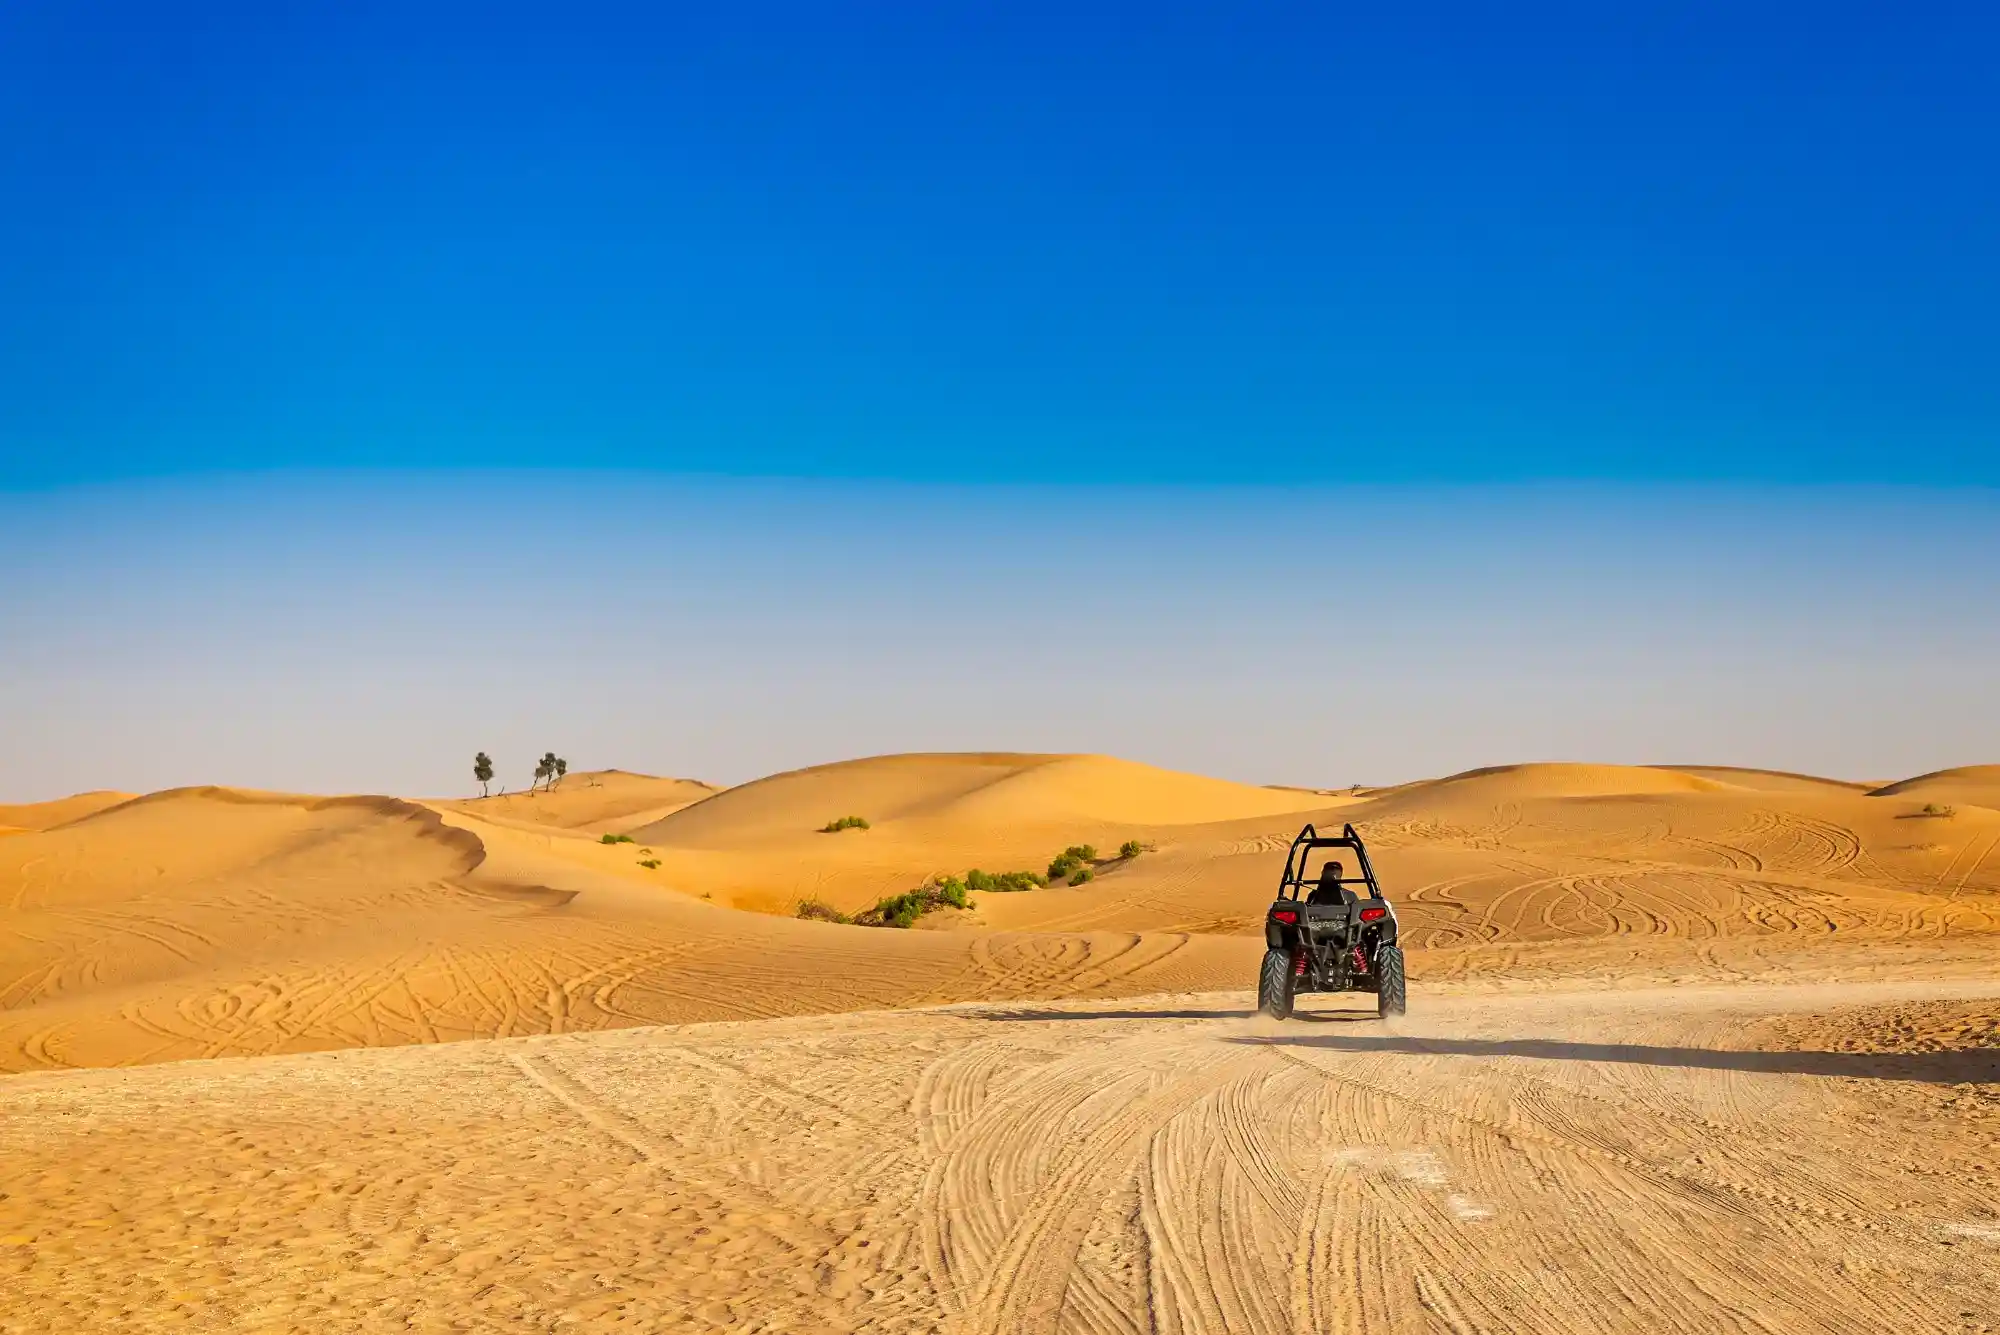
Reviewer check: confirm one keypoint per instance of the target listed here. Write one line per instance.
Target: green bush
(1080, 875)
(615, 839)
(1067, 861)
(1934, 809)
(818, 910)
(1130, 849)
(903, 910)
(650, 864)
(898, 910)
(844, 823)
(1001, 883)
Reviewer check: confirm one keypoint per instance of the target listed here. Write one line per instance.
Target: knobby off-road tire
(1274, 985)
(1391, 993)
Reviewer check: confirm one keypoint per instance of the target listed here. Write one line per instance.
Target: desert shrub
(1130, 849)
(903, 910)
(1934, 809)
(615, 839)
(818, 910)
(898, 910)
(1080, 875)
(650, 864)
(1000, 883)
(1067, 861)
(844, 823)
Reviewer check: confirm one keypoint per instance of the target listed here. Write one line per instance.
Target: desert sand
(1690, 1048)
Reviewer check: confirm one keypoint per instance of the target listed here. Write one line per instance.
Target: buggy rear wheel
(1275, 981)
(1391, 992)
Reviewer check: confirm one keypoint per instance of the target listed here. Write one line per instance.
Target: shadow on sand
(1220, 1013)
(1954, 1066)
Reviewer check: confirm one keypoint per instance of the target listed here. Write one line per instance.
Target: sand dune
(1768, 780)
(978, 791)
(596, 802)
(1500, 783)
(759, 846)
(1978, 785)
(207, 922)
(213, 922)
(47, 815)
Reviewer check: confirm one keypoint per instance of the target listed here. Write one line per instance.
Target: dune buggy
(1324, 934)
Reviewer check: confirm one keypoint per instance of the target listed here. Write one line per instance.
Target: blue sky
(1298, 393)
(1437, 243)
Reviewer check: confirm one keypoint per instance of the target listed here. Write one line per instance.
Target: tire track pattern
(1497, 1164)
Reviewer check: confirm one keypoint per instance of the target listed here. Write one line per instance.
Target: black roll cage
(1302, 847)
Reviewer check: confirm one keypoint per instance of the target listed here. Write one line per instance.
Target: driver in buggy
(1330, 890)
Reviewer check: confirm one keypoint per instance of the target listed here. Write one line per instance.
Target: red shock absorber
(1299, 964)
(1360, 960)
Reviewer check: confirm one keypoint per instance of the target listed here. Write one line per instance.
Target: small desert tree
(541, 772)
(562, 768)
(547, 769)
(482, 770)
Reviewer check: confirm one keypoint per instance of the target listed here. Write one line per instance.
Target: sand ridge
(1978, 785)
(48, 815)
(213, 921)
(592, 801)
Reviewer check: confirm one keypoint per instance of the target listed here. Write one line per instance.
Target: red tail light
(1370, 915)
(1284, 915)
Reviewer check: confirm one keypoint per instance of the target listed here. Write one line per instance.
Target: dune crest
(1978, 785)
(48, 815)
(609, 801)
(1542, 779)
(975, 789)
(1768, 780)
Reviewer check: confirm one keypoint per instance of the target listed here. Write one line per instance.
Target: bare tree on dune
(482, 770)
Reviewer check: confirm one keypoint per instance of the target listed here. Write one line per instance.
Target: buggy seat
(1330, 891)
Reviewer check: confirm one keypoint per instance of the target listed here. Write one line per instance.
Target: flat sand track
(1821, 1158)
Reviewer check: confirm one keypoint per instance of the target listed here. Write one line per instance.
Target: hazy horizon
(369, 632)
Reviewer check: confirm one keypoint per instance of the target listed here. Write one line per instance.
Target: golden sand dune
(1769, 780)
(976, 792)
(596, 802)
(1975, 784)
(760, 846)
(1690, 1160)
(207, 922)
(214, 922)
(47, 815)
(1502, 783)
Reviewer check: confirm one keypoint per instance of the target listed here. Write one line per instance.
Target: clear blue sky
(1070, 243)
